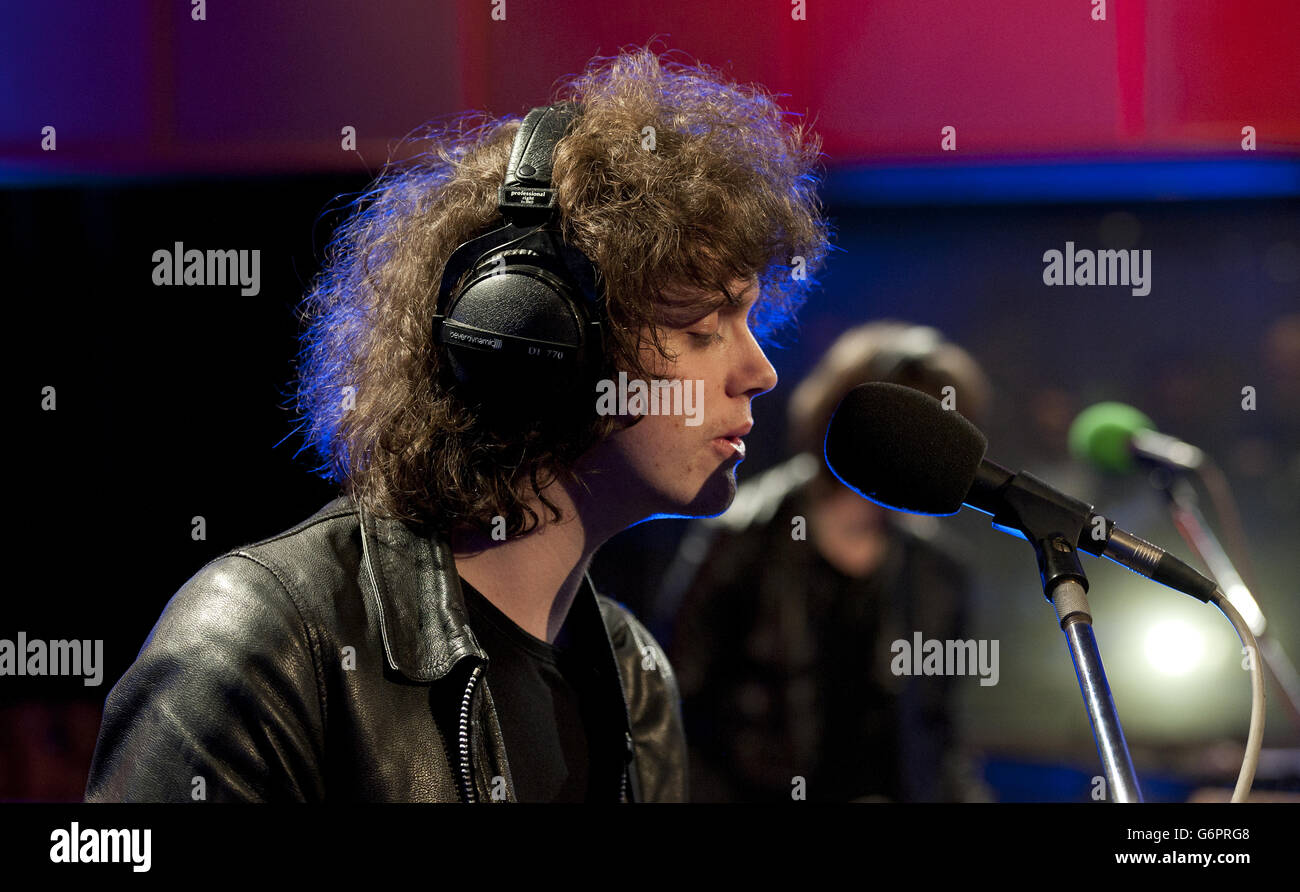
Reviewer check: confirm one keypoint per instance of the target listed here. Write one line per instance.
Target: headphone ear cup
(523, 301)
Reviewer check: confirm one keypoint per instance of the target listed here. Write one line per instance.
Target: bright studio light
(1174, 647)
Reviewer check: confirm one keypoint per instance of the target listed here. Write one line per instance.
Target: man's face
(683, 463)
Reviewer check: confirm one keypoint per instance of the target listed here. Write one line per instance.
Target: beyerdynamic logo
(658, 397)
(464, 337)
(195, 267)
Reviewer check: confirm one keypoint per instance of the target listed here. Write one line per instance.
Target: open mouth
(730, 446)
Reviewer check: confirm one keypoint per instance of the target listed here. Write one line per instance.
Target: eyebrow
(697, 310)
(738, 300)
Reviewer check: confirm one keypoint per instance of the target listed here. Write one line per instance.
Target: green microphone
(1116, 437)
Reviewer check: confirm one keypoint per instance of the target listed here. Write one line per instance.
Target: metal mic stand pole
(1071, 602)
(1053, 524)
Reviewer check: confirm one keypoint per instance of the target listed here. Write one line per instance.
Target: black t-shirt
(562, 742)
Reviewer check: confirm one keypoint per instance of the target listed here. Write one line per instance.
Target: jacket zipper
(628, 753)
(467, 791)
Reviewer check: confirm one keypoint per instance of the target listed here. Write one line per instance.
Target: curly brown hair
(728, 191)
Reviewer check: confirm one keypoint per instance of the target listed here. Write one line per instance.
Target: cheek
(663, 439)
(662, 448)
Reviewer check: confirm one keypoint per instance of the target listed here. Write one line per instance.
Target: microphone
(1115, 436)
(901, 449)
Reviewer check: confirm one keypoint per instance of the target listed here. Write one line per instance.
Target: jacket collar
(421, 609)
(422, 615)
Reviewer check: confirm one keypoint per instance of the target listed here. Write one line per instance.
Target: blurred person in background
(782, 611)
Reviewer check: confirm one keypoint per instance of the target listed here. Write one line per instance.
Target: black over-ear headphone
(518, 314)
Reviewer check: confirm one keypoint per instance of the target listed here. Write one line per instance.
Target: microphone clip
(1052, 522)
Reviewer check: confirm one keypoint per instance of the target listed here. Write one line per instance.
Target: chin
(711, 499)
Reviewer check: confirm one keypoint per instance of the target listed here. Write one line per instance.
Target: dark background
(172, 402)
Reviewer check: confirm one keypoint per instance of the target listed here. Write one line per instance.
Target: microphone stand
(1053, 524)
(1200, 538)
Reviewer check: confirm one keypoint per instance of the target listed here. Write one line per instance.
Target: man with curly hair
(432, 634)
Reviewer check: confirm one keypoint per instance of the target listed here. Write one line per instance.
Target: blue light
(1027, 182)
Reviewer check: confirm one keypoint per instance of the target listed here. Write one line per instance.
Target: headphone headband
(527, 186)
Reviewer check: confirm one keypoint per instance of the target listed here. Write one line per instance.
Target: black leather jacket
(335, 662)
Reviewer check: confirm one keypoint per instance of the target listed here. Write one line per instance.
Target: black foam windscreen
(902, 449)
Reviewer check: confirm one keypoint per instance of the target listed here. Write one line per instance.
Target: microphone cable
(1255, 736)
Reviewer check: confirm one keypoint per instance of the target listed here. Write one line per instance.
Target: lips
(730, 444)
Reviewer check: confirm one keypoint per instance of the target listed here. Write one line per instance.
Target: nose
(757, 373)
